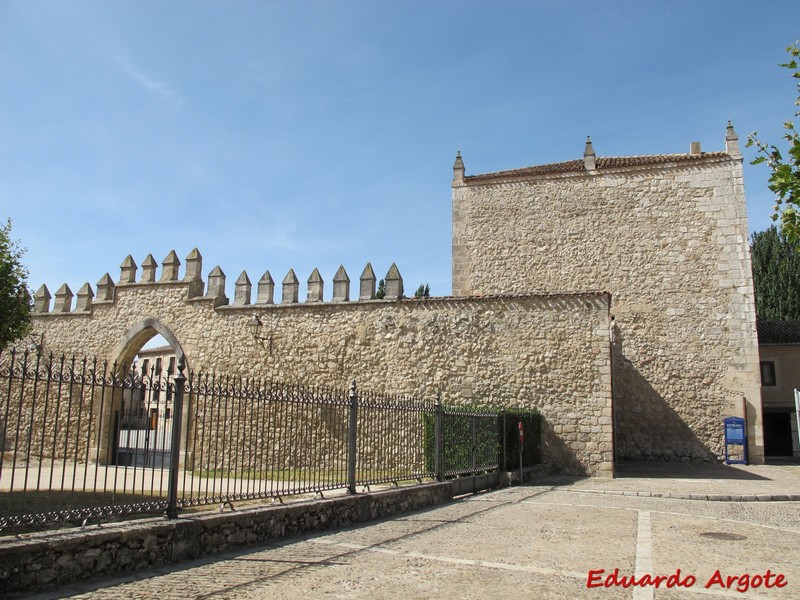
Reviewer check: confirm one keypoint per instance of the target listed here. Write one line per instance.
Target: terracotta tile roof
(514, 296)
(778, 332)
(602, 163)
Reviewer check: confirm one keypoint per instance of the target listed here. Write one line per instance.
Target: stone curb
(706, 497)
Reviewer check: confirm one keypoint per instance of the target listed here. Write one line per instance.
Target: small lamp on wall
(255, 326)
(35, 345)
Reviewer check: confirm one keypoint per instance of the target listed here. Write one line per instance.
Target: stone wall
(549, 351)
(667, 237)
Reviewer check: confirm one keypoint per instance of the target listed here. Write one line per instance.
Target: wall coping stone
(431, 300)
(522, 175)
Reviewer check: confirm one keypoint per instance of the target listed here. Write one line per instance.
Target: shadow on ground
(782, 460)
(665, 470)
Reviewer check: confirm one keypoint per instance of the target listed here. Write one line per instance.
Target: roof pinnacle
(589, 157)
(732, 142)
(458, 170)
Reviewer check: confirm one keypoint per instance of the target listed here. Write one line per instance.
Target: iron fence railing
(82, 439)
(471, 441)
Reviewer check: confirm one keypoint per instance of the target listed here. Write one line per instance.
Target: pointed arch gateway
(138, 335)
(129, 441)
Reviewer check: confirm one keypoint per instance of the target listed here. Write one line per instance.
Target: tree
(423, 291)
(776, 275)
(380, 294)
(785, 178)
(15, 299)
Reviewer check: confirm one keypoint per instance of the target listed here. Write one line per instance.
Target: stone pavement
(550, 539)
(700, 481)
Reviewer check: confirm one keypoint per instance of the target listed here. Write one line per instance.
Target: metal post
(175, 450)
(797, 415)
(521, 442)
(505, 452)
(438, 415)
(473, 452)
(351, 439)
(472, 443)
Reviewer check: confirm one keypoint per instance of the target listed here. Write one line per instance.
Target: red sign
(521, 433)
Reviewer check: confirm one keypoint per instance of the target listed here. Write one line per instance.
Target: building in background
(779, 350)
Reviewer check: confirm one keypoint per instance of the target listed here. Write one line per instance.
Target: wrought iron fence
(468, 440)
(82, 439)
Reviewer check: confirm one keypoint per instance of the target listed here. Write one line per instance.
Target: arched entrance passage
(136, 424)
(138, 335)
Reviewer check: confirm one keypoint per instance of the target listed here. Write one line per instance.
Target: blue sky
(276, 135)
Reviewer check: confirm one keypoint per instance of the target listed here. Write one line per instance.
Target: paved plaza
(549, 539)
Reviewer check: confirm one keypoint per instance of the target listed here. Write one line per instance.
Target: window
(171, 368)
(768, 372)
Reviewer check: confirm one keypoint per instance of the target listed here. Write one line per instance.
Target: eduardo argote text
(600, 578)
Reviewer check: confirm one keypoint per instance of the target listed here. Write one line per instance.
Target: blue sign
(734, 430)
(735, 435)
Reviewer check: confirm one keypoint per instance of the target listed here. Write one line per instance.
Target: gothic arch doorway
(137, 423)
(141, 333)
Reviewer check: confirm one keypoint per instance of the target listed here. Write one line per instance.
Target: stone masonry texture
(668, 240)
(548, 351)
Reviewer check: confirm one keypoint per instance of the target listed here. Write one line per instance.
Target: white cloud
(148, 82)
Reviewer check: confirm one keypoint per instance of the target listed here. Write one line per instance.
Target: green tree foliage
(423, 291)
(776, 275)
(785, 178)
(380, 294)
(15, 299)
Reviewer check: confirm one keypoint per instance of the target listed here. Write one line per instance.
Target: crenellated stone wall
(667, 236)
(549, 351)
